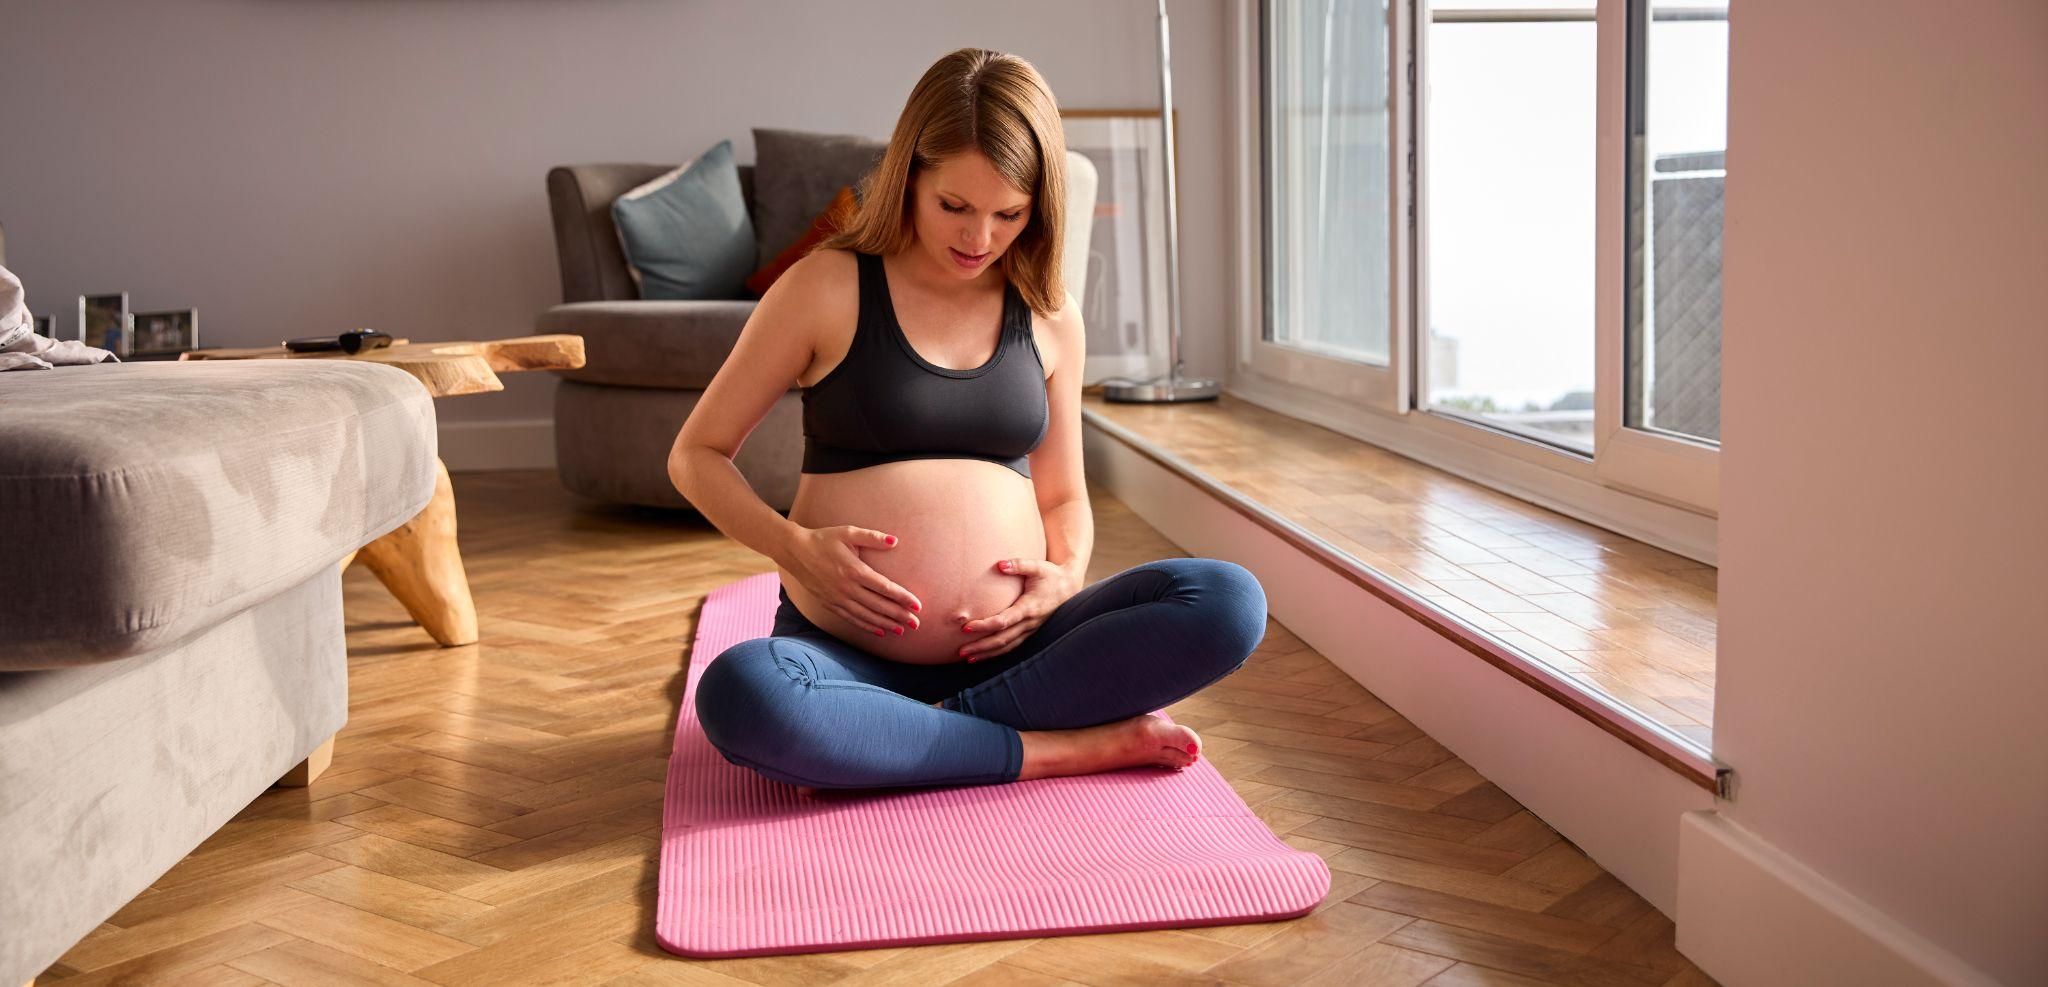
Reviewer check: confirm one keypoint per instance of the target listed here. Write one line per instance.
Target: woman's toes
(1168, 744)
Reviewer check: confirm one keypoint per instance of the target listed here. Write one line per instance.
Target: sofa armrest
(586, 243)
(668, 344)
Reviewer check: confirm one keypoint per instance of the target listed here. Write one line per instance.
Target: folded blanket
(22, 349)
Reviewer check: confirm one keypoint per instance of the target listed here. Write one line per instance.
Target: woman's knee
(746, 695)
(1232, 603)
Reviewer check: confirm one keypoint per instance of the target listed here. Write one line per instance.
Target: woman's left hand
(1046, 586)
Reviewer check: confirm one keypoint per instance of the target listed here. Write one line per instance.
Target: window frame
(1381, 386)
(1658, 489)
(1660, 464)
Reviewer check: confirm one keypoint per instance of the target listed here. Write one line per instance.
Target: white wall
(1883, 678)
(299, 167)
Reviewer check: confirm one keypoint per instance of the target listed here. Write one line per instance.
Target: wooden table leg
(309, 769)
(420, 564)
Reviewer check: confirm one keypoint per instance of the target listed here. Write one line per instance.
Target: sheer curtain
(1327, 127)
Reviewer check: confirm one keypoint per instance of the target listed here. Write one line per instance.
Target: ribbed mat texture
(750, 867)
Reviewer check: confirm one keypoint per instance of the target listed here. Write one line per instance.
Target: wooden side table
(419, 562)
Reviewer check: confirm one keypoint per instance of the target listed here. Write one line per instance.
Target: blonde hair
(987, 101)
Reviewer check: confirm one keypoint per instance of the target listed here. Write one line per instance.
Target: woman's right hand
(827, 562)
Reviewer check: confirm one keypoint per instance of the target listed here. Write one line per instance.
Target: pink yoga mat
(750, 867)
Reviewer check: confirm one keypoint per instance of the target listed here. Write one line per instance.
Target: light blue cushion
(686, 235)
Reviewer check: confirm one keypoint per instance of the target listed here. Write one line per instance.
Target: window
(1677, 164)
(1490, 240)
(1508, 109)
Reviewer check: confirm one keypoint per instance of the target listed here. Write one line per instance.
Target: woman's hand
(827, 562)
(1046, 586)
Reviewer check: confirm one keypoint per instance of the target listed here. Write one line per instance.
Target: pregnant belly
(953, 520)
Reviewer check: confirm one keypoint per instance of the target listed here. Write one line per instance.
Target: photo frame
(103, 321)
(46, 326)
(164, 334)
(1124, 298)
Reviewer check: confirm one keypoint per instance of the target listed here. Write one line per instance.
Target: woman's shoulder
(1062, 320)
(824, 271)
(819, 277)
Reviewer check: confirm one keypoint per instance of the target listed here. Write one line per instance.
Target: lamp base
(1163, 388)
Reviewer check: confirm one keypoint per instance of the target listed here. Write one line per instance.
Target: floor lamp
(1170, 386)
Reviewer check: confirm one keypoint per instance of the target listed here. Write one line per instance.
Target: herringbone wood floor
(492, 812)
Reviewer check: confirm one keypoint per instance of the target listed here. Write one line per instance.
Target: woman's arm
(1056, 469)
(776, 345)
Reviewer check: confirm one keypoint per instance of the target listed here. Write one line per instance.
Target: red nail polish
(918, 607)
(891, 539)
(963, 654)
(878, 632)
(899, 631)
(1191, 748)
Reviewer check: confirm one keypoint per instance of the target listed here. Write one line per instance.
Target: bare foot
(1139, 740)
(1128, 743)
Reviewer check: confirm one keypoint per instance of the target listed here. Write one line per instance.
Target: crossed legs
(811, 710)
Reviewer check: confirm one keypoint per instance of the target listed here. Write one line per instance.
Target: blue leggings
(806, 708)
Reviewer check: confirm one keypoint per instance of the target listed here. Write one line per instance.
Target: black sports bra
(885, 403)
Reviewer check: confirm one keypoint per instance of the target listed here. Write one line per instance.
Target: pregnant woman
(934, 628)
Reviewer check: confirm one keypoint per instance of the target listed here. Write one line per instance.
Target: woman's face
(965, 213)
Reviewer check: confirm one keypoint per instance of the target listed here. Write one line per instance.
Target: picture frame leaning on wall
(164, 334)
(103, 322)
(1124, 303)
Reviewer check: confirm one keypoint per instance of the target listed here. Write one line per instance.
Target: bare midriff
(953, 519)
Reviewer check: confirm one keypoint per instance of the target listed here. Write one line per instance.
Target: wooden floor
(1603, 610)
(493, 811)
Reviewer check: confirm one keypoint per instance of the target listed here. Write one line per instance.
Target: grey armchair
(647, 362)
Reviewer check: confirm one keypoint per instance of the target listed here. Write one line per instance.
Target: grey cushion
(580, 200)
(686, 234)
(148, 501)
(650, 344)
(796, 174)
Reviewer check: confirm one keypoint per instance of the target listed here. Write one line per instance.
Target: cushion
(650, 344)
(146, 502)
(831, 221)
(686, 234)
(797, 174)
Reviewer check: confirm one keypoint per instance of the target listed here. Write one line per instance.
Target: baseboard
(469, 447)
(1616, 803)
(1749, 914)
